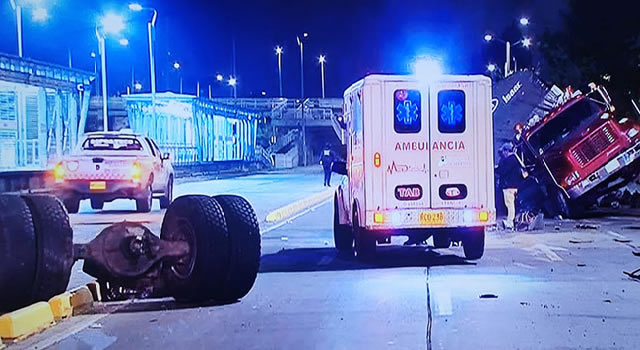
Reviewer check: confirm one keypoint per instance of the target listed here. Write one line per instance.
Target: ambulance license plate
(97, 185)
(432, 218)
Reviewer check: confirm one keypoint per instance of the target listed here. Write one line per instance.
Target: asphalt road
(559, 288)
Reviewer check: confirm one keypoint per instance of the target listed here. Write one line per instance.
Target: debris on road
(578, 241)
(635, 274)
(587, 226)
(488, 296)
(582, 265)
(96, 326)
(636, 252)
(284, 238)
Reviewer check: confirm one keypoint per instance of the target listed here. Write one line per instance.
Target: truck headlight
(632, 132)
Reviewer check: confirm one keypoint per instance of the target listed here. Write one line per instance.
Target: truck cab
(419, 163)
(581, 150)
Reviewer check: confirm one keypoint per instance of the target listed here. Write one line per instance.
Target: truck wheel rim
(183, 267)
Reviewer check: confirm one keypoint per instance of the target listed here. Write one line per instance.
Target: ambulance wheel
(199, 221)
(244, 246)
(342, 234)
(72, 204)
(97, 204)
(54, 246)
(17, 252)
(365, 241)
(473, 243)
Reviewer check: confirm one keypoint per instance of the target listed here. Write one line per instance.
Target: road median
(298, 206)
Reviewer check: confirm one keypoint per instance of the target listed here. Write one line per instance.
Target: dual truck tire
(349, 238)
(36, 248)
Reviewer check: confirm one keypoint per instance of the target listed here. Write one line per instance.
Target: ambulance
(419, 163)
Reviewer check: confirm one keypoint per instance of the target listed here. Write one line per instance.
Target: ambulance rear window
(451, 111)
(406, 111)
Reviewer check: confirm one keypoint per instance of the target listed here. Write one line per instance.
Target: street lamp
(524, 21)
(219, 77)
(279, 52)
(151, 25)
(110, 24)
(233, 82)
(124, 41)
(491, 67)
(322, 60)
(177, 66)
(526, 42)
(301, 44)
(40, 14)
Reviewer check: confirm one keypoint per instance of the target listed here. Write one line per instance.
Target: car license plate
(97, 185)
(432, 218)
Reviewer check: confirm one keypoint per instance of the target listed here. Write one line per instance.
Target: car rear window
(111, 144)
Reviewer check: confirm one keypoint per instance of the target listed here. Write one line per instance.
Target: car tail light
(136, 172)
(378, 218)
(58, 172)
(376, 160)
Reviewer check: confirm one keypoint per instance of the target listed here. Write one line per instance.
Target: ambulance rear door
(453, 145)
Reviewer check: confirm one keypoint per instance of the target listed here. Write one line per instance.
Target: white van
(419, 163)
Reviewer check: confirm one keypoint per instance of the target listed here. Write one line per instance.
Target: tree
(598, 42)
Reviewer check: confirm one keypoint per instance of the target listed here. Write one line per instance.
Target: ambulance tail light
(378, 218)
(376, 160)
(58, 172)
(483, 216)
(136, 172)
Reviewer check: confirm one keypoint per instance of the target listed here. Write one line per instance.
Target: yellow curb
(24, 322)
(61, 306)
(81, 300)
(293, 208)
(94, 287)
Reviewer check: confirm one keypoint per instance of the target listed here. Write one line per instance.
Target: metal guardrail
(45, 70)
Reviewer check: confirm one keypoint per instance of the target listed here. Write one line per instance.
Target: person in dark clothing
(510, 173)
(327, 160)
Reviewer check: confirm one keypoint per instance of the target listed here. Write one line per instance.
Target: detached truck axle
(208, 249)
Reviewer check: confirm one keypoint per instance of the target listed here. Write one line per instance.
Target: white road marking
(615, 234)
(289, 220)
(546, 250)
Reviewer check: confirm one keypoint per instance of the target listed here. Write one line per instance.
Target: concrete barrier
(24, 322)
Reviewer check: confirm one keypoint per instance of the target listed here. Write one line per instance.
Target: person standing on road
(327, 160)
(510, 175)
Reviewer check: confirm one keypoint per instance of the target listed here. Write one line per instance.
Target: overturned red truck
(580, 150)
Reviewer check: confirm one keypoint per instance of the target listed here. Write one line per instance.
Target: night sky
(357, 37)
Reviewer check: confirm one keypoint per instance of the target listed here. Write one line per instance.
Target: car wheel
(168, 195)
(199, 221)
(97, 204)
(441, 240)
(365, 241)
(17, 252)
(473, 243)
(244, 240)
(143, 205)
(54, 246)
(72, 204)
(342, 234)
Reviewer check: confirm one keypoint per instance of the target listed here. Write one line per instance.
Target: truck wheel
(166, 199)
(244, 246)
(17, 252)
(441, 240)
(72, 204)
(143, 205)
(54, 246)
(342, 234)
(365, 242)
(473, 243)
(199, 221)
(566, 208)
(97, 204)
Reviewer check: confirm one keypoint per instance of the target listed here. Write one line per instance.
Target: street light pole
(322, 61)
(18, 10)
(507, 63)
(152, 62)
(279, 53)
(301, 44)
(103, 73)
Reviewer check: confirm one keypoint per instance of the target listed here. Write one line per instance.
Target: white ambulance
(419, 163)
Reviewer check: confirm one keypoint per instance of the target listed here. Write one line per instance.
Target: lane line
(429, 317)
(284, 222)
(615, 234)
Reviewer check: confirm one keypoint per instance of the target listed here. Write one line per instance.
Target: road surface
(559, 288)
